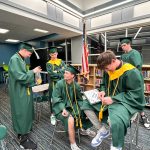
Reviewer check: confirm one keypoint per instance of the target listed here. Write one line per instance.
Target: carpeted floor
(42, 131)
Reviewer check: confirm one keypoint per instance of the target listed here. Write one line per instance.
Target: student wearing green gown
(67, 100)
(55, 68)
(121, 94)
(133, 57)
(20, 82)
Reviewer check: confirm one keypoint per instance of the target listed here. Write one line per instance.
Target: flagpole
(126, 34)
(85, 65)
(105, 41)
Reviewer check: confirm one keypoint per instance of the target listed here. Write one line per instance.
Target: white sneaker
(115, 148)
(74, 147)
(53, 119)
(88, 132)
(97, 140)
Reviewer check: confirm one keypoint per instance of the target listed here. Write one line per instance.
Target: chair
(62, 131)
(3, 132)
(5, 73)
(6, 80)
(40, 95)
(39, 98)
(134, 132)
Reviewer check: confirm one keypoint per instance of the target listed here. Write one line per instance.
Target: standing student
(133, 57)
(55, 68)
(21, 101)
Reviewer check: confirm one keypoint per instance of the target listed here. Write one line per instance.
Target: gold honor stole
(112, 76)
(119, 72)
(55, 62)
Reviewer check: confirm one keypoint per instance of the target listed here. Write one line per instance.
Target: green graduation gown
(128, 99)
(133, 57)
(56, 73)
(60, 101)
(20, 81)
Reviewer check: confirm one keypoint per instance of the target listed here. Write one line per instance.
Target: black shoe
(145, 121)
(27, 143)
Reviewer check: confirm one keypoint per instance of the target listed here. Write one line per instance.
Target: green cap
(72, 69)
(26, 46)
(126, 40)
(52, 49)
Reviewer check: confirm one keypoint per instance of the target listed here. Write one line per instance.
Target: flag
(85, 51)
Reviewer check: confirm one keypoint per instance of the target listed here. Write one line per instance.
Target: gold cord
(103, 106)
(78, 121)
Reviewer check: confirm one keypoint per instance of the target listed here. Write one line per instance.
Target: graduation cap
(126, 40)
(28, 47)
(52, 49)
(72, 69)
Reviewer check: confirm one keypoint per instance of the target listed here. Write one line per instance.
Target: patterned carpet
(42, 131)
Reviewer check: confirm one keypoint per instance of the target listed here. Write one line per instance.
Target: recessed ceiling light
(59, 47)
(12, 40)
(3, 31)
(40, 30)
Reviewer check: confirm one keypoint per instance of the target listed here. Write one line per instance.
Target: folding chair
(134, 132)
(6, 80)
(40, 96)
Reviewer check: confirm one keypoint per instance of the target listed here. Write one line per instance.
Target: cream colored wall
(36, 5)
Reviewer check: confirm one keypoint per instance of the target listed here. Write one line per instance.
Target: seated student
(67, 100)
(122, 95)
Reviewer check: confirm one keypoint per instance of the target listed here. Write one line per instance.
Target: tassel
(28, 91)
(101, 113)
(77, 122)
(80, 124)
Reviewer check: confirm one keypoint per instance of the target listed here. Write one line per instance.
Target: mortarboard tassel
(28, 91)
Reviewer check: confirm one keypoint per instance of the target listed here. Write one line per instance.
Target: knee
(116, 123)
(70, 121)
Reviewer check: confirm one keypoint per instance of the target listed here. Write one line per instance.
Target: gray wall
(76, 50)
(146, 54)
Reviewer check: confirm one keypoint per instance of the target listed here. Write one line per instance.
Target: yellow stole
(119, 72)
(55, 62)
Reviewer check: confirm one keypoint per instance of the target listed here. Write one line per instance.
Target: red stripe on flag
(85, 65)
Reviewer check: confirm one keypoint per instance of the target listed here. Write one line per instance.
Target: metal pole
(66, 51)
(126, 34)
(137, 32)
(105, 41)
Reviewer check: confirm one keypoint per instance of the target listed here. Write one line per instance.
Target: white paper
(92, 96)
(40, 88)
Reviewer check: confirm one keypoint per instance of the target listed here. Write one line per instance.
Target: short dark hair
(105, 59)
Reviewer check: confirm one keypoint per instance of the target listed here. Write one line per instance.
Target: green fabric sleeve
(50, 70)
(136, 60)
(57, 99)
(103, 83)
(18, 70)
(56, 72)
(62, 70)
(79, 95)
